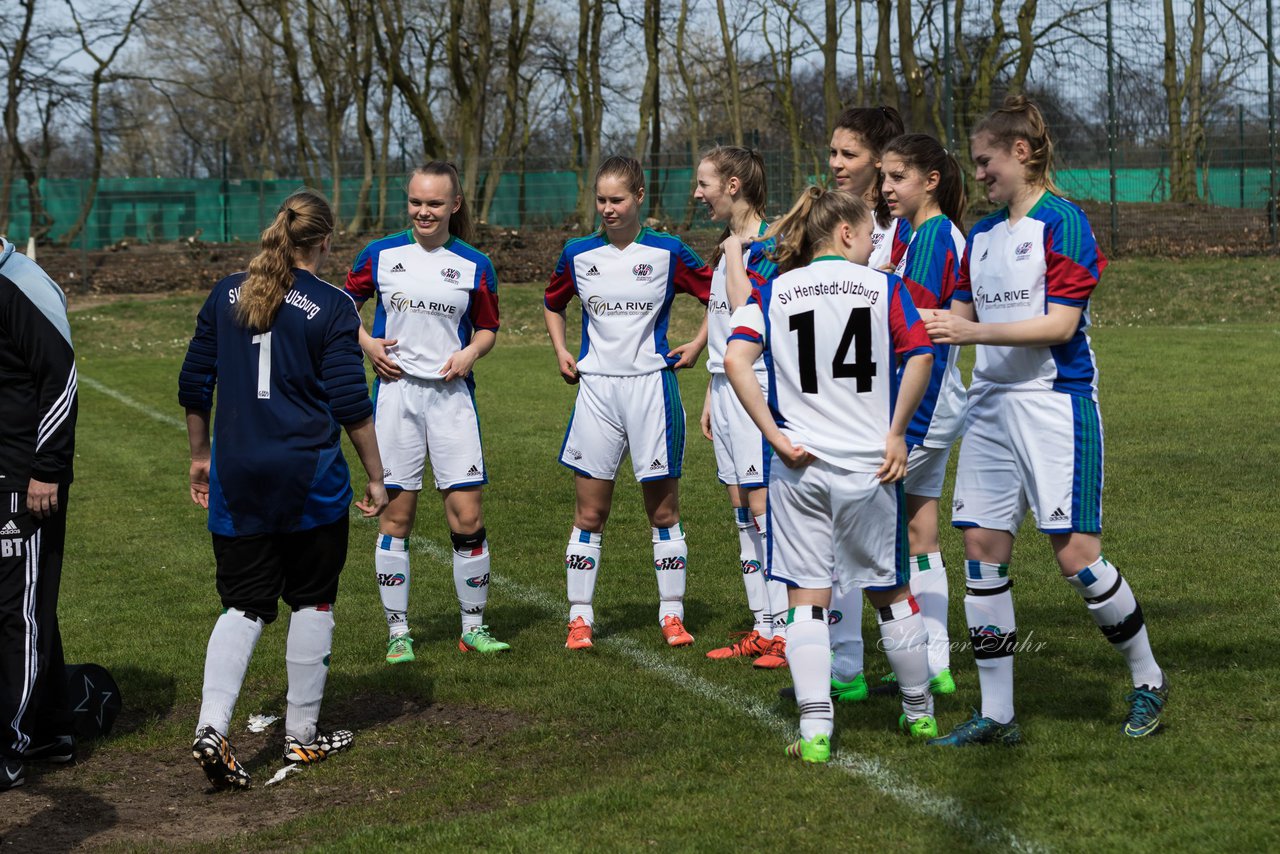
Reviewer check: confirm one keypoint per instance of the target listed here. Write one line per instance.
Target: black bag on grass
(95, 700)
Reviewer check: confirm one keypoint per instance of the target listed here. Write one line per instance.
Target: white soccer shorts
(1030, 449)
(419, 419)
(926, 471)
(822, 516)
(613, 415)
(742, 454)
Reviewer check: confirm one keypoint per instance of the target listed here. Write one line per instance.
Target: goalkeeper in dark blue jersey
(282, 348)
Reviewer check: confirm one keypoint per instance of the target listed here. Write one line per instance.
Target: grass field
(636, 746)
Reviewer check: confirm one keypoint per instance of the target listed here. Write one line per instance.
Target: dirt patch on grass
(155, 798)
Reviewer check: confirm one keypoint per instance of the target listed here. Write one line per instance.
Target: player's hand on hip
(42, 498)
(894, 467)
(792, 456)
(458, 365)
(568, 368)
(200, 482)
(375, 499)
(384, 365)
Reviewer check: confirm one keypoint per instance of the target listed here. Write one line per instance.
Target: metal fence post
(1112, 131)
(1274, 201)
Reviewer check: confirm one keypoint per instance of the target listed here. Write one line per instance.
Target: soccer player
(924, 187)
(437, 314)
(1033, 437)
(281, 347)
(857, 141)
(625, 277)
(833, 332)
(731, 184)
(38, 406)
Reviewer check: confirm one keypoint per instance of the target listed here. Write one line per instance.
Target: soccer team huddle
(834, 400)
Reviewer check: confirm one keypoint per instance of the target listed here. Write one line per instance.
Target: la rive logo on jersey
(602, 307)
(643, 272)
(399, 301)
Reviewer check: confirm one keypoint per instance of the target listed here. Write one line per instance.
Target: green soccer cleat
(853, 691)
(942, 683)
(816, 749)
(479, 640)
(980, 730)
(400, 649)
(925, 727)
(1145, 705)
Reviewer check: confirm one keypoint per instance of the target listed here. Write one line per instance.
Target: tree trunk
(912, 74)
(470, 50)
(591, 96)
(517, 48)
(391, 55)
(884, 53)
(733, 93)
(693, 112)
(830, 70)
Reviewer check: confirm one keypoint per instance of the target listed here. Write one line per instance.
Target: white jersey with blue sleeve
(760, 269)
(1014, 272)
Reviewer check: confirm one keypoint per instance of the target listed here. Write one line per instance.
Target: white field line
(170, 420)
(867, 768)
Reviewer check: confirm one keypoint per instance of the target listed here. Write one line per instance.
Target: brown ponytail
(1020, 118)
(925, 154)
(303, 222)
(811, 221)
(745, 164)
(460, 220)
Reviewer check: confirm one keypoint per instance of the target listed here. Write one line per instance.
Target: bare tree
(516, 85)
(123, 21)
(733, 87)
(469, 46)
(17, 53)
(394, 39)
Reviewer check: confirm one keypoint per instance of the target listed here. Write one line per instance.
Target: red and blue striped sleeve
(360, 283)
(484, 300)
(905, 329)
(964, 288)
(692, 275)
(561, 287)
(932, 266)
(1073, 260)
(750, 322)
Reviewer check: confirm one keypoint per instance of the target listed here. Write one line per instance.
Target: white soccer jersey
(833, 333)
(626, 298)
(430, 301)
(883, 242)
(760, 268)
(1013, 273)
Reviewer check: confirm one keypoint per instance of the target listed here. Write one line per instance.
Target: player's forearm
(556, 329)
(365, 441)
(482, 342)
(737, 284)
(915, 382)
(198, 433)
(738, 367)
(1047, 330)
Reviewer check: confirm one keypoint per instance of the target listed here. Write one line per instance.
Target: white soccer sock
(670, 558)
(231, 644)
(846, 633)
(391, 561)
(903, 633)
(809, 656)
(929, 587)
(307, 658)
(581, 566)
(988, 608)
(776, 591)
(1117, 612)
(471, 576)
(751, 556)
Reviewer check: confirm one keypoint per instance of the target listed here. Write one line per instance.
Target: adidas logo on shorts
(1059, 516)
(751, 469)
(473, 472)
(593, 271)
(656, 465)
(398, 268)
(10, 527)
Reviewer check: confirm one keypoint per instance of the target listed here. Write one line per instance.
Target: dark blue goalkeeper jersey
(277, 451)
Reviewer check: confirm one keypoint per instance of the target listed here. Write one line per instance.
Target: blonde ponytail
(811, 221)
(303, 222)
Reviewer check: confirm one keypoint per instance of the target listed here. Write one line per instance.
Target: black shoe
(59, 749)
(12, 774)
(216, 757)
